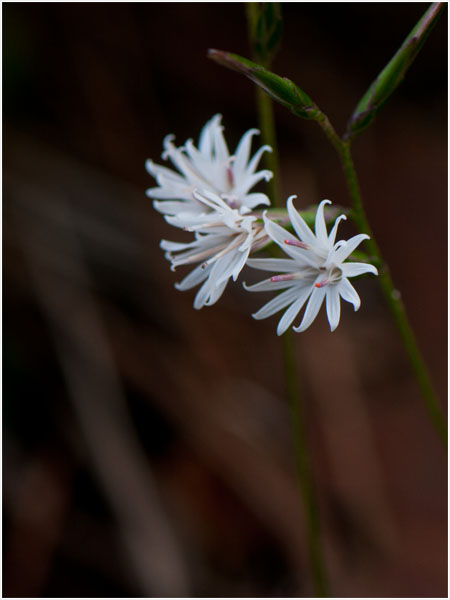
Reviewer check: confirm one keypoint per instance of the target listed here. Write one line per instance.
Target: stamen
(297, 244)
(322, 284)
(230, 176)
(284, 277)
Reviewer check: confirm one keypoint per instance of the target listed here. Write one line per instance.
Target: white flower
(315, 270)
(208, 168)
(223, 241)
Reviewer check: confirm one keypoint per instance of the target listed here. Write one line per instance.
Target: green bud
(281, 89)
(393, 73)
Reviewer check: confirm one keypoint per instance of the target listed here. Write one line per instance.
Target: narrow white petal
(346, 249)
(171, 207)
(241, 188)
(206, 135)
(255, 199)
(211, 199)
(216, 293)
(350, 269)
(158, 170)
(267, 285)
(312, 308)
(176, 246)
(301, 228)
(256, 158)
(348, 293)
(280, 265)
(279, 235)
(202, 295)
(200, 161)
(195, 277)
(224, 267)
(333, 305)
(320, 225)
(243, 152)
(276, 304)
(293, 310)
(243, 256)
(333, 232)
(220, 146)
(170, 193)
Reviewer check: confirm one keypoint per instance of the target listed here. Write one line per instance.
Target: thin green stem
(390, 292)
(264, 107)
(304, 472)
(267, 125)
(302, 460)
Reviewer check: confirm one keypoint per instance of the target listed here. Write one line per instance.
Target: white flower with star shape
(223, 240)
(211, 168)
(315, 271)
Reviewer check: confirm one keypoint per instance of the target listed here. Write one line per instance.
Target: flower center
(332, 275)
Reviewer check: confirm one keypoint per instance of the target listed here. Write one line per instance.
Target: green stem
(302, 461)
(265, 113)
(304, 473)
(267, 125)
(390, 292)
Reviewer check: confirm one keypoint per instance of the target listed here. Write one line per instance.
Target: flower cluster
(210, 196)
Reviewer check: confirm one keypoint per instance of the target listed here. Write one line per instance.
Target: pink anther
(297, 244)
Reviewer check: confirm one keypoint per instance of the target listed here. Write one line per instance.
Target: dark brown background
(147, 446)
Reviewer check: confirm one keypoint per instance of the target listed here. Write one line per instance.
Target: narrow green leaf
(281, 89)
(393, 73)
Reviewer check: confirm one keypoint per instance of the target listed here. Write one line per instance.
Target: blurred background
(147, 446)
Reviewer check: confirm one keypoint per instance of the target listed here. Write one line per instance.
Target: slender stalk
(304, 473)
(267, 125)
(390, 292)
(302, 460)
(264, 107)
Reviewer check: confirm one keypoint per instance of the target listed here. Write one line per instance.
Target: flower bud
(281, 89)
(393, 73)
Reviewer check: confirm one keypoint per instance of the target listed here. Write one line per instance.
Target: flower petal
(293, 310)
(279, 235)
(157, 170)
(242, 153)
(333, 232)
(320, 225)
(312, 308)
(205, 142)
(256, 158)
(348, 293)
(255, 199)
(267, 285)
(195, 277)
(276, 304)
(333, 305)
(347, 248)
(220, 146)
(202, 295)
(282, 265)
(350, 269)
(301, 228)
(216, 293)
